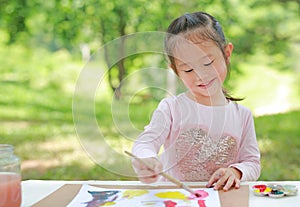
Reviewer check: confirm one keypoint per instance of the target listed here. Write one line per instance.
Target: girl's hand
(145, 174)
(226, 177)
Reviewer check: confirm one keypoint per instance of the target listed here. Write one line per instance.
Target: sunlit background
(44, 45)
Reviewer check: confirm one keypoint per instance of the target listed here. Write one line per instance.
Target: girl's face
(202, 67)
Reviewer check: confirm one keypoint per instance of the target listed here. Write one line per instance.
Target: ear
(228, 51)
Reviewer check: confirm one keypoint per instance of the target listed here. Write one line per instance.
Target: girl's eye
(207, 64)
(188, 71)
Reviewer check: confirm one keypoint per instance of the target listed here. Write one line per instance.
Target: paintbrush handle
(140, 160)
(177, 182)
(168, 177)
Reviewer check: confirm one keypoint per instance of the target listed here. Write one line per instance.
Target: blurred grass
(36, 117)
(43, 134)
(279, 141)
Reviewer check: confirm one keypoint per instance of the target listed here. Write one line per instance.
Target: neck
(219, 100)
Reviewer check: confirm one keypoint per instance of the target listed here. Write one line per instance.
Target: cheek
(221, 71)
(187, 80)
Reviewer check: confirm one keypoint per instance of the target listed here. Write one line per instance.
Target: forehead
(188, 51)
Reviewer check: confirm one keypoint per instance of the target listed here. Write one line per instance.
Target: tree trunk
(121, 53)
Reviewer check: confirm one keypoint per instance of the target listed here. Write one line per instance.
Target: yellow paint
(149, 204)
(268, 190)
(172, 194)
(109, 203)
(134, 193)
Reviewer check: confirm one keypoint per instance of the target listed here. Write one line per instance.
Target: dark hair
(205, 27)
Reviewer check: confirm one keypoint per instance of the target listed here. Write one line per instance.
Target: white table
(35, 190)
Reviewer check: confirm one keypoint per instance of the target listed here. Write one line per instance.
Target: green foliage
(39, 55)
(253, 25)
(37, 67)
(265, 90)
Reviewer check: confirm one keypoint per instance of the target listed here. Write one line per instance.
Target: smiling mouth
(206, 85)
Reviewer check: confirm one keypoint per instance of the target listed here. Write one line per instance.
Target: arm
(249, 155)
(247, 167)
(149, 142)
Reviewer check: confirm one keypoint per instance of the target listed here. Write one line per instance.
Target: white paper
(144, 197)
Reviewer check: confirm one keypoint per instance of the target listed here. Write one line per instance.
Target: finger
(147, 176)
(237, 183)
(214, 178)
(138, 165)
(146, 173)
(149, 180)
(211, 181)
(158, 167)
(229, 183)
(153, 162)
(221, 182)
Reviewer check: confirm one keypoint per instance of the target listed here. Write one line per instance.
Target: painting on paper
(91, 196)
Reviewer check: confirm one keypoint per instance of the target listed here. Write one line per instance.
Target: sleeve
(155, 134)
(249, 154)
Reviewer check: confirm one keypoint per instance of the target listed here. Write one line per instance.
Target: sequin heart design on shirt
(198, 155)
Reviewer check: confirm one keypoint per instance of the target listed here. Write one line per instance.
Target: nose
(201, 74)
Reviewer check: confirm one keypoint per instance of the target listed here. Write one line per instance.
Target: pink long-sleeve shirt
(193, 140)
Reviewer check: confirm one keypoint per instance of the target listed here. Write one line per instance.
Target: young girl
(205, 134)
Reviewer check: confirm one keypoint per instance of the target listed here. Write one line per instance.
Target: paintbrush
(168, 177)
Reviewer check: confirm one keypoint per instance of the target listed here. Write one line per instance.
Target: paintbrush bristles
(168, 177)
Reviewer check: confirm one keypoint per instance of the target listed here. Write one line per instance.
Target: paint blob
(170, 203)
(202, 193)
(101, 198)
(172, 194)
(109, 204)
(134, 193)
(201, 203)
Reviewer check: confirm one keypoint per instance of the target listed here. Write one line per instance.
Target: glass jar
(10, 177)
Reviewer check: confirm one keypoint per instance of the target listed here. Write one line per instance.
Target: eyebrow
(184, 63)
